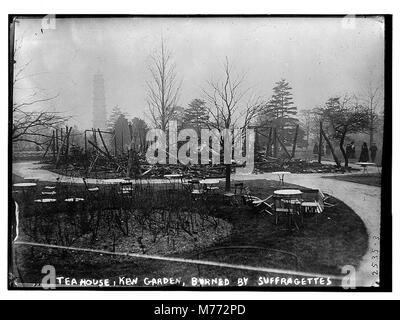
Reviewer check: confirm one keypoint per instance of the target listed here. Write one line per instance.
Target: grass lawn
(337, 238)
(370, 179)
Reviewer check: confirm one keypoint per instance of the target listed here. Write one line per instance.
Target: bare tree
(229, 103)
(28, 126)
(163, 89)
(372, 100)
(31, 121)
(230, 106)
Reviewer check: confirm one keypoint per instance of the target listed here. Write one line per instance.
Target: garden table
(49, 193)
(174, 179)
(210, 184)
(26, 187)
(281, 175)
(74, 199)
(209, 181)
(291, 200)
(364, 165)
(173, 176)
(288, 193)
(25, 184)
(46, 200)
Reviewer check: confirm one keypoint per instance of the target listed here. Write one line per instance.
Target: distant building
(99, 102)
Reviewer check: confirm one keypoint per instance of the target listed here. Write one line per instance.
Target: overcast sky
(320, 57)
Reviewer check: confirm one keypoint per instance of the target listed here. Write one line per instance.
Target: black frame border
(385, 261)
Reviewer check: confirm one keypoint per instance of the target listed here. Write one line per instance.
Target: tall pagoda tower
(99, 102)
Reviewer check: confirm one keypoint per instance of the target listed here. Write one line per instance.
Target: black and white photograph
(199, 152)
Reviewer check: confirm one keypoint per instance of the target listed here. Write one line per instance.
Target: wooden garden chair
(126, 188)
(258, 204)
(312, 203)
(90, 190)
(238, 190)
(197, 190)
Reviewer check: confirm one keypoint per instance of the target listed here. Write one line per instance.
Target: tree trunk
(331, 147)
(346, 160)
(130, 160)
(371, 137)
(115, 144)
(269, 142)
(295, 141)
(54, 146)
(371, 127)
(68, 132)
(320, 143)
(61, 139)
(85, 143)
(57, 145)
(228, 170)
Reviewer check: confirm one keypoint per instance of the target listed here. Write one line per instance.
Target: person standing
(364, 155)
(353, 150)
(316, 149)
(348, 151)
(328, 150)
(373, 150)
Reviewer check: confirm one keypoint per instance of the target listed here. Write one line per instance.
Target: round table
(173, 176)
(74, 199)
(365, 165)
(288, 192)
(281, 175)
(49, 193)
(210, 184)
(25, 184)
(46, 200)
(209, 181)
(291, 200)
(27, 188)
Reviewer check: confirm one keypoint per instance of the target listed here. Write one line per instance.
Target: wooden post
(57, 145)
(61, 138)
(330, 147)
(269, 142)
(320, 143)
(275, 144)
(99, 150)
(122, 141)
(61, 147)
(130, 131)
(68, 133)
(48, 148)
(130, 159)
(54, 146)
(115, 144)
(102, 141)
(283, 146)
(94, 136)
(295, 141)
(85, 142)
(228, 171)
(105, 154)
